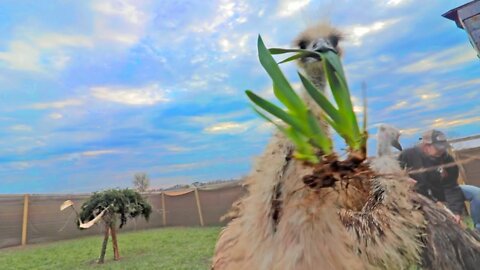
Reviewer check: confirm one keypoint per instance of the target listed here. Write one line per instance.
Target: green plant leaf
(334, 60)
(284, 91)
(347, 107)
(349, 125)
(341, 93)
(278, 112)
(303, 129)
(333, 117)
(320, 99)
(319, 137)
(268, 119)
(310, 158)
(282, 51)
(301, 108)
(291, 58)
(304, 149)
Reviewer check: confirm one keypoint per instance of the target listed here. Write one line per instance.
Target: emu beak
(323, 45)
(397, 145)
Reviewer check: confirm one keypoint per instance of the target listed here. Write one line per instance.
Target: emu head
(387, 137)
(320, 37)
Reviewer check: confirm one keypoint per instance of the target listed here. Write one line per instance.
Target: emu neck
(318, 79)
(384, 148)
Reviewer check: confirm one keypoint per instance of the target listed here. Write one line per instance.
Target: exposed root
(352, 171)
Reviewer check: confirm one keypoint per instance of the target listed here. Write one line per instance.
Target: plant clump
(312, 144)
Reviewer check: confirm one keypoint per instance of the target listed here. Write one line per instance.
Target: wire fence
(28, 219)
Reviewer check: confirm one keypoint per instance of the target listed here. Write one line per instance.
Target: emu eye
(334, 39)
(302, 44)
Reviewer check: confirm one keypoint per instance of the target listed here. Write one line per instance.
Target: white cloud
(429, 96)
(357, 105)
(147, 95)
(241, 20)
(197, 82)
(453, 122)
(15, 166)
(99, 152)
(176, 148)
(225, 15)
(199, 58)
(207, 79)
(123, 9)
(224, 44)
(183, 166)
(409, 131)
(120, 21)
(399, 105)
(55, 116)
(76, 156)
(395, 3)
(427, 92)
(417, 98)
(60, 61)
(37, 52)
(20, 128)
(442, 61)
(357, 33)
(118, 37)
(288, 8)
(227, 128)
(261, 12)
(358, 109)
(240, 42)
(56, 40)
(212, 119)
(235, 46)
(462, 84)
(56, 104)
(21, 56)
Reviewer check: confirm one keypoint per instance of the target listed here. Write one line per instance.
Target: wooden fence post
(25, 219)
(164, 212)
(462, 174)
(199, 207)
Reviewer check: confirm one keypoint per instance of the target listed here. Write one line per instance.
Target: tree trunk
(116, 253)
(104, 245)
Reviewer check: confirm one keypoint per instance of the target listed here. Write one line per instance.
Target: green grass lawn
(166, 248)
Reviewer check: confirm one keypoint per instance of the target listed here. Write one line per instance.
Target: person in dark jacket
(439, 181)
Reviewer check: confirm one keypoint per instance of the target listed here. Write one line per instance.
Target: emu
(282, 224)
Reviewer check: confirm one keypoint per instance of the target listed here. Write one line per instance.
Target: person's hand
(457, 219)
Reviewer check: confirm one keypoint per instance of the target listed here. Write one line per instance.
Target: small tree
(141, 182)
(110, 206)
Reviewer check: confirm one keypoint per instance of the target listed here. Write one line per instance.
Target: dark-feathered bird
(372, 221)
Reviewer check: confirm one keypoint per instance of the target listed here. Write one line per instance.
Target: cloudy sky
(92, 92)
